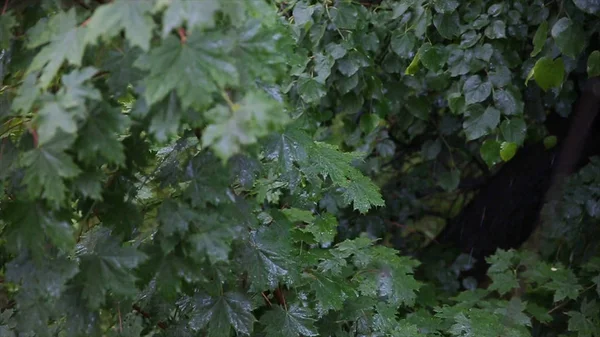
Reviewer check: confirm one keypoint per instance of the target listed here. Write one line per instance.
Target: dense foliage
(216, 168)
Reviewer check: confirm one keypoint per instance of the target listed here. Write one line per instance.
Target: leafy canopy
(214, 168)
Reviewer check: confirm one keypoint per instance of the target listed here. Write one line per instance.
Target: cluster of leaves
(184, 167)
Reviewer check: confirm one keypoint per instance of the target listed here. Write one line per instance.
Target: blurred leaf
(539, 39)
(131, 16)
(569, 37)
(593, 64)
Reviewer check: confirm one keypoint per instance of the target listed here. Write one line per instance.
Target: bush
(215, 168)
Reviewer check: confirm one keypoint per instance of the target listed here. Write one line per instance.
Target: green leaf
(514, 130)
(331, 293)
(221, 313)
(433, 57)
(501, 77)
(65, 44)
(548, 73)
(496, 30)
(131, 16)
(403, 43)
(539, 39)
(569, 37)
(448, 24)
(302, 12)
(122, 72)
(7, 23)
(509, 101)
(508, 150)
(495, 9)
(310, 89)
(413, 67)
(175, 217)
(323, 65)
(265, 257)
(41, 283)
(324, 228)
(256, 116)
(351, 63)
(550, 142)
(198, 14)
(449, 180)
(53, 117)
(588, 6)
(345, 15)
(475, 90)
(585, 322)
(593, 64)
(444, 6)
(75, 89)
(538, 312)
(564, 283)
(30, 225)
(298, 215)
(490, 152)
(480, 122)
(293, 322)
(47, 166)
(27, 94)
(328, 161)
(469, 39)
(106, 266)
(99, 136)
(479, 323)
(195, 70)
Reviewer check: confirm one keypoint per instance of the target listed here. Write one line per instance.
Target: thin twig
(120, 319)
(5, 6)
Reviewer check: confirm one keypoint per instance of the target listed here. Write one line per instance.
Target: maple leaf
(47, 166)
(326, 160)
(65, 44)
(221, 313)
(295, 321)
(195, 69)
(266, 256)
(132, 16)
(197, 14)
(254, 117)
(106, 265)
(41, 282)
(98, 139)
(30, 224)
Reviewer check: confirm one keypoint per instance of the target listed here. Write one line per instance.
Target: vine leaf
(547, 73)
(475, 90)
(479, 122)
(539, 39)
(593, 64)
(514, 130)
(569, 37)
